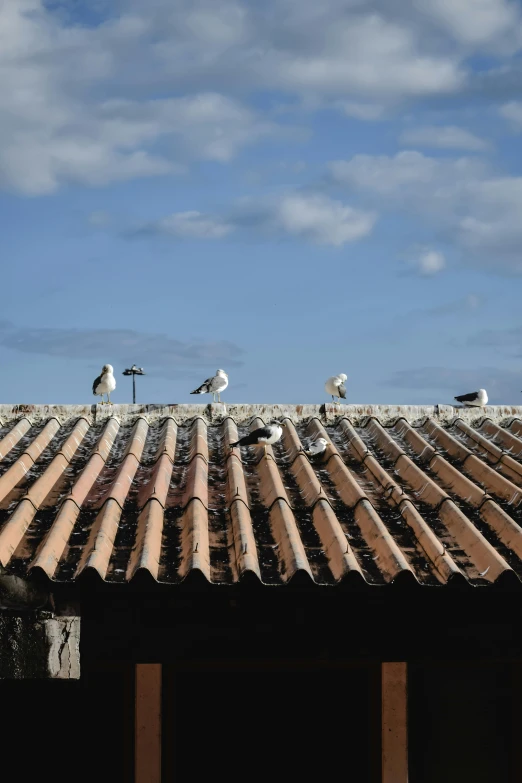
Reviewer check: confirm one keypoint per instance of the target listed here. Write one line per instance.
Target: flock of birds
(265, 436)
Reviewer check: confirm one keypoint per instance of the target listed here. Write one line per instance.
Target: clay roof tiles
(430, 494)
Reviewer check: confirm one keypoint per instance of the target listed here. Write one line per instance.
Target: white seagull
(264, 436)
(475, 399)
(105, 383)
(316, 448)
(335, 386)
(214, 385)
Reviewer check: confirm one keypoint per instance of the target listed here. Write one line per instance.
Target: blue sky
(286, 190)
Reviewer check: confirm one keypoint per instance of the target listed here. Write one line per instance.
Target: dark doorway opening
(273, 725)
(462, 725)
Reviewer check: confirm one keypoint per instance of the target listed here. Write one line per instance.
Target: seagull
(214, 385)
(105, 383)
(335, 386)
(316, 448)
(474, 400)
(264, 436)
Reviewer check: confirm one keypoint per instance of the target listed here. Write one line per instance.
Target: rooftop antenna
(134, 371)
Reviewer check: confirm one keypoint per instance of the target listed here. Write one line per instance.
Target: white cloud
(35, 167)
(210, 126)
(463, 196)
(430, 263)
(382, 173)
(216, 127)
(443, 137)
(333, 49)
(154, 86)
(491, 222)
(409, 171)
(361, 111)
(147, 90)
(194, 225)
(364, 55)
(512, 111)
(311, 217)
(64, 111)
(489, 24)
(323, 220)
(111, 142)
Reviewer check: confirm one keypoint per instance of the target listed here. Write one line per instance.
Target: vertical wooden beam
(516, 721)
(394, 723)
(147, 748)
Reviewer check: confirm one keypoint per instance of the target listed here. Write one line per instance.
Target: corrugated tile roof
(432, 494)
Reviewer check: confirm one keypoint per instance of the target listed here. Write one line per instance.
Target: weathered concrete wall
(39, 645)
(244, 413)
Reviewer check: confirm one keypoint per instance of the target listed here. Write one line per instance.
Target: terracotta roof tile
(501, 437)
(428, 494)
(11, 438)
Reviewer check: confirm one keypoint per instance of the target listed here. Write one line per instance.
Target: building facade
(173, 607)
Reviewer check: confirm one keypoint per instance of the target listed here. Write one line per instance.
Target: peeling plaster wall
(63, 638)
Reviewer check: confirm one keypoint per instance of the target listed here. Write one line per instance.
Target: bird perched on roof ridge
(214, 385)
(105, 383)
(316, 448)
(474, 400)
(263, 436)
(336, 388)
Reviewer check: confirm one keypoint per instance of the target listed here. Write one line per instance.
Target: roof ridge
(245, 412)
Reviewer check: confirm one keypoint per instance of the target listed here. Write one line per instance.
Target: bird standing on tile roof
(316, 448)
(105, 383)
(264, 436)
(214, 385)
(335, 386)
(474, 400)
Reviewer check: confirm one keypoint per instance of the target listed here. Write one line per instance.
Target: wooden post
(516, 721)
(394, 723)
(147, 751)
